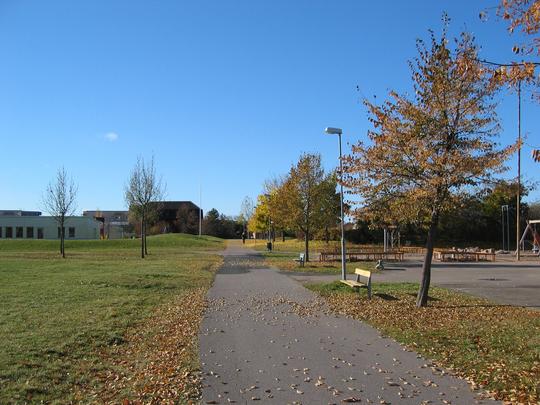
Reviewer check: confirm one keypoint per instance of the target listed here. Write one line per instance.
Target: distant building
(35, 226)
(173, 217)
(19, 213)
(114, 224)
(178, 216)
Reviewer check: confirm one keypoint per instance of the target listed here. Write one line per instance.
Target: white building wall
(84, 227)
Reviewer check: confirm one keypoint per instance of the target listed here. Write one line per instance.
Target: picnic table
(463, 256)
(364, 254)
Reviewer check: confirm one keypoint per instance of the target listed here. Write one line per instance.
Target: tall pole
(200, 210)
(507, 228)
(343, 268)
(502, 223)
(519, 174)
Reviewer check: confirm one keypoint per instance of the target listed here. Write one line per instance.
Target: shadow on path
(266, 338)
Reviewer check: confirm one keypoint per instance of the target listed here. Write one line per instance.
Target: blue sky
(224, 93)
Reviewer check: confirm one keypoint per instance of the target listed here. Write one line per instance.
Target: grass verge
(495, 347)
(67, 326)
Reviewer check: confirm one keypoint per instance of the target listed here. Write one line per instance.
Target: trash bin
(269, 246)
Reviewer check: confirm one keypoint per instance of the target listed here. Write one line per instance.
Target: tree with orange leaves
(522, 16)
(429, 149)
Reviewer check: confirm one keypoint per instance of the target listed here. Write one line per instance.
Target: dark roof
(107, 214)
(20, 213)
(175, 205)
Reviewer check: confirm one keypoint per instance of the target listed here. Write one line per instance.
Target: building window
(59, 235)
(0, 231)
(9, 232)
(71, 232)
(19, 232)
(30, 232)
(40, 233)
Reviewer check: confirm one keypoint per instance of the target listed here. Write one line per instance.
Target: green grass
(86, 246)
(58, 314)
(495, 346)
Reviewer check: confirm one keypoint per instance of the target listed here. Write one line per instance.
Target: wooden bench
(301, 259)
(357, 283)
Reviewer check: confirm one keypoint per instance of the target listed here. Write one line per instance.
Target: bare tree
(246, 212)
(142, 192)
(59, 202)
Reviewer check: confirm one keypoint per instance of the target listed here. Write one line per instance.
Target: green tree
(534, 210)
(187, 220)
(307, 195)
(216, 224)
(329, 207)
(212, 222)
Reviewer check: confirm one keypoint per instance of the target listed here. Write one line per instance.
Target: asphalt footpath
(265, 338)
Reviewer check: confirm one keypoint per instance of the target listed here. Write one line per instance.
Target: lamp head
(333, 131)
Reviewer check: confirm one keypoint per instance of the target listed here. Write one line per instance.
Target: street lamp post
(505, 227)
(338, 132)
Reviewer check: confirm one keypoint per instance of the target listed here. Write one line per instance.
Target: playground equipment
(391, 238)
(531, 228)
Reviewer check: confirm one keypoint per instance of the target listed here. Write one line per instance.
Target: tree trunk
(62, 246)
(422, 297)
(306, 246)
(142, 237)
(282, 235)
(145, 241)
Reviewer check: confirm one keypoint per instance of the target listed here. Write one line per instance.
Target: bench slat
(353, 283)
(363, 273)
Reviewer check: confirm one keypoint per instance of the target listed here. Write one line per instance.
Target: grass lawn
(64, 323)
(284, 253)
(496, 347)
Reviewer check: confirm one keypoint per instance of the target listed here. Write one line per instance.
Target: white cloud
(111, 136)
